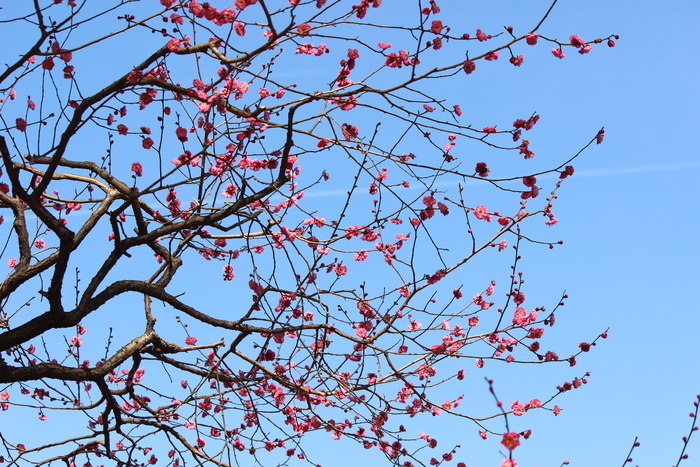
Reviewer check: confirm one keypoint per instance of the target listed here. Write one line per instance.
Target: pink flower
(510, 462)
(511, 440)
(303, 29)
(230, 191)
(481, 35)
(190, 340)
(481, 169)
(576, 41)
(47, 64)
(147, 143)
(11, 263)
(173, 44)
(122, 129)
(350, 132)
(228, 272)
(469, 66)
(21, 124)
(384, 45)
(531, 38)
(39, 243)
(137, 168)
(480, 212)
(76, 341)
(181, 134)
(436, 27)
(239, 28)
(4, 396)
(535, 403)
(489, 129)
(361, 256)
(491, 56)
(556, 410)
(518, 409)
(517, 61)
(483, 434)
(558, 53)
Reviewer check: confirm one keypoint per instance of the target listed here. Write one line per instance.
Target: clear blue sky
(628, 218)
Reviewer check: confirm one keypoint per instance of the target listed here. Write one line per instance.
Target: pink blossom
(228, 272)
(47, 64)
(481, 35)
(190, 340)
(230, 191)
(509, 462)
(492, 56)
(122, 129)
(76, 341)
(4, 396)
(39, 243)
(21, 124)
(469, 66)
(556, 410)
(489, 129)
(350, 132)
(436, 27)
(181, 134)
(480, 212)
(517, 61)
(558, 53)
(576, 41)
(173, 44)
(511, 440)
(303, 29)
(518, 408)
(239, 28)
(361, 255)
(147, 143)
(11, 263)
(137, 168)
(531, 38)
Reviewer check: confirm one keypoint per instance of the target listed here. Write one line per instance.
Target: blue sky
(628, 218)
